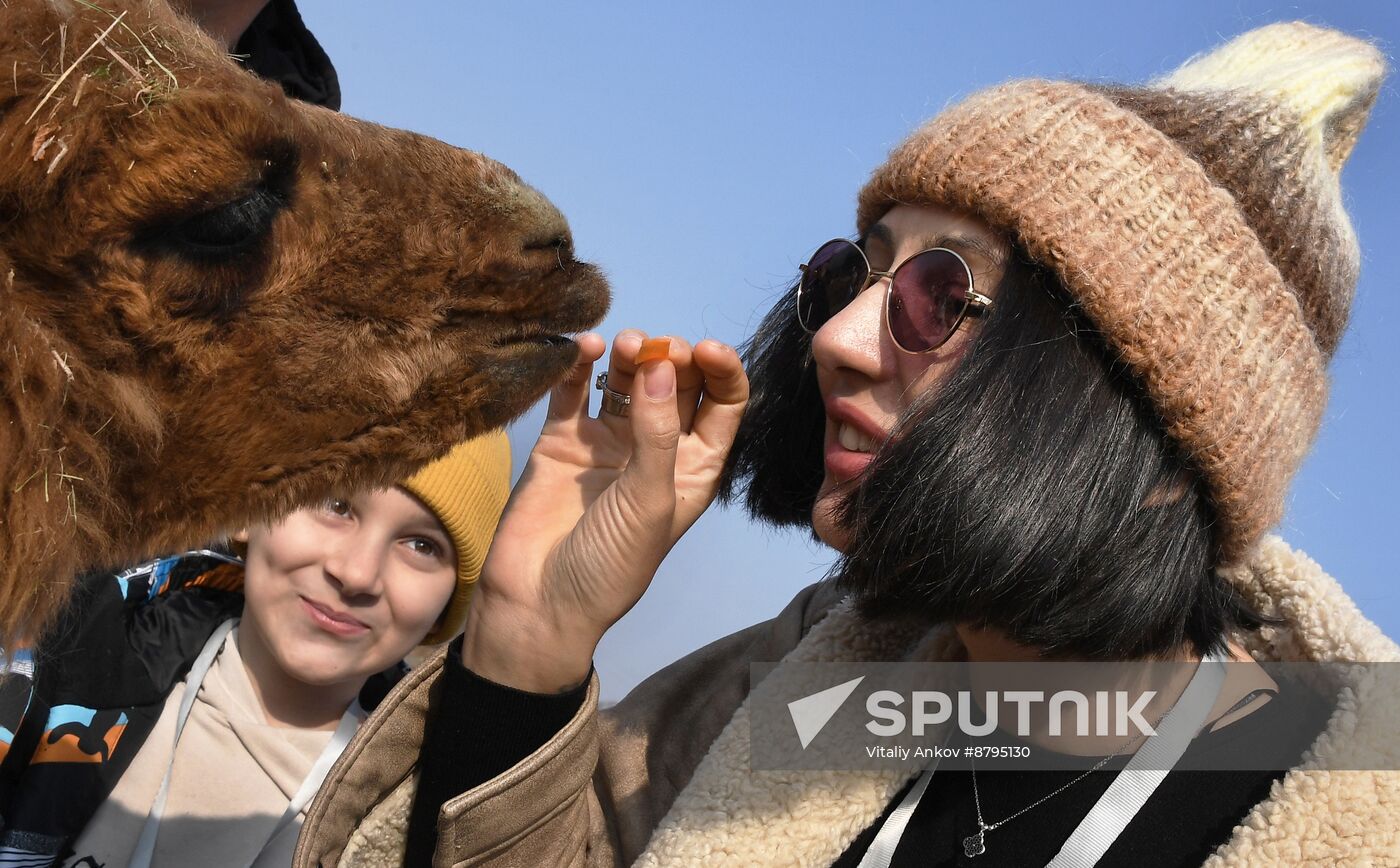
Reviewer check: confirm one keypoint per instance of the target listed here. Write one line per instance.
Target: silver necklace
(976, 844)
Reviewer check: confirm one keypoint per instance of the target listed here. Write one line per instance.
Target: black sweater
(481, 729)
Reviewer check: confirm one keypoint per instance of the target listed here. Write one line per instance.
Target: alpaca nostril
(560, 243)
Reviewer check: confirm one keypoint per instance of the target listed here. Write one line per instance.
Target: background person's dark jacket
(279, 47)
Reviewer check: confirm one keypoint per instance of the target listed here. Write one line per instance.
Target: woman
(188, 709)
(1046, 408)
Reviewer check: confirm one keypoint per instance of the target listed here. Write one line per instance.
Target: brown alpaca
(218, 304)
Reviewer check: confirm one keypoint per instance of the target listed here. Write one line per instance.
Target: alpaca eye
(221, 233)
(224, 231)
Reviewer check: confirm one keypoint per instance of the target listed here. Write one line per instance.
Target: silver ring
(614, 402)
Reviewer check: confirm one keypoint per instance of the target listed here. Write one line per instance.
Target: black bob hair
(1033, 492)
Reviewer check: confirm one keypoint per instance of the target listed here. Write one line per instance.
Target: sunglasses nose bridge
(875, 277)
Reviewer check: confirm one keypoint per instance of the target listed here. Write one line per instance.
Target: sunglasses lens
(927, 299)
(834, 274)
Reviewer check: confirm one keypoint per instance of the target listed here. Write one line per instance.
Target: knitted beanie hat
(1197, 223)
(467, 491)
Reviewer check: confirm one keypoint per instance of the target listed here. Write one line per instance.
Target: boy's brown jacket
(663, 779)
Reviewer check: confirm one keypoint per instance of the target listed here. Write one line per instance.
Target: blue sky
(702, 150)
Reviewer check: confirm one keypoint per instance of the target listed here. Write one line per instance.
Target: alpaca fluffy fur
(157, 395)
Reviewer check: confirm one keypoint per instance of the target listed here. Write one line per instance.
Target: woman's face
(866, 381)
(339, 592)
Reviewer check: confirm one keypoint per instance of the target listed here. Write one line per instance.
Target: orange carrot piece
(654, 350)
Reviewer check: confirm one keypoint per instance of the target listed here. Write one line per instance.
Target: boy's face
(345, 590)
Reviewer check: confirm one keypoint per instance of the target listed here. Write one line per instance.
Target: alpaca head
(218, 304)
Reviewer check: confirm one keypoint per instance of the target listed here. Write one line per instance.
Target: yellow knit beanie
(467, 490)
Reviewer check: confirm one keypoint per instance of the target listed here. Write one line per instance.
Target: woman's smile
(851, 439)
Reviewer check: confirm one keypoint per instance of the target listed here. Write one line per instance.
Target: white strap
(1119, 803)
(1147, 769)
(881, 850)
(345, 731)
(145, 849)
(146, 844)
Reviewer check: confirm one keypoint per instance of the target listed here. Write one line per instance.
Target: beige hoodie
(233, 775)
(662, 778)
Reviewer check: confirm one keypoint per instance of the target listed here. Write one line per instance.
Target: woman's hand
(601, 502)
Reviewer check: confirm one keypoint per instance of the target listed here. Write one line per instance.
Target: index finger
(569, 398)
(726, 394)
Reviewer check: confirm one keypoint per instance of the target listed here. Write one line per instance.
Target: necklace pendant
(973, 845)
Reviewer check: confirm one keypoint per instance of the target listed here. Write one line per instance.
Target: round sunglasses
(928, 296)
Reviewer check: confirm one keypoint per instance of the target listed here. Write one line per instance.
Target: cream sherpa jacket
(662, 779)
